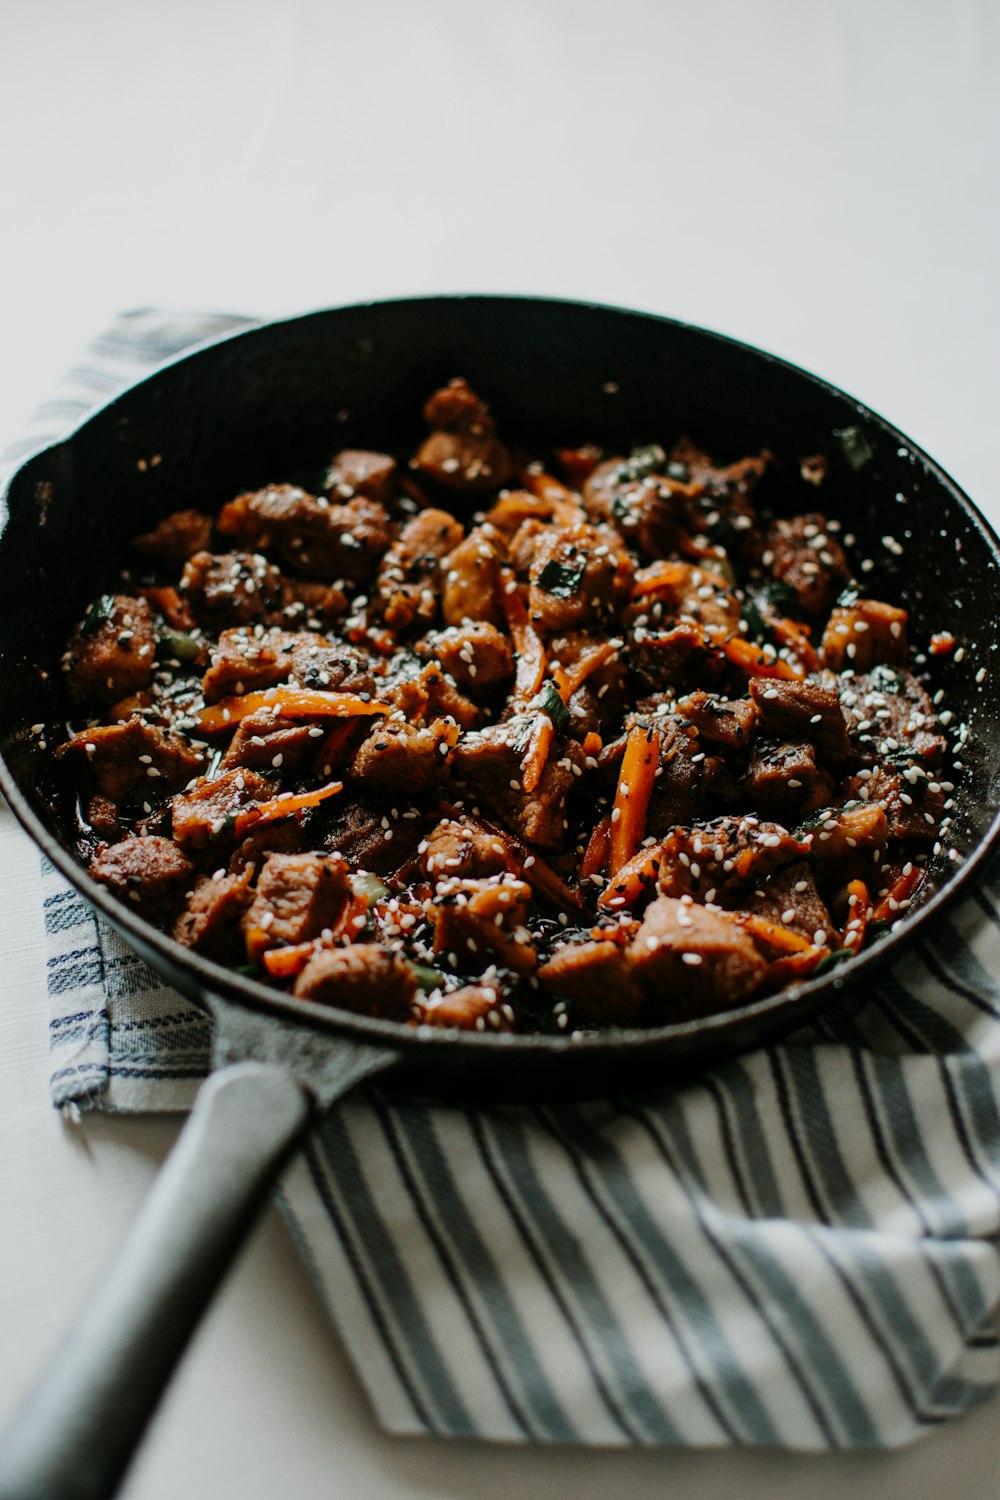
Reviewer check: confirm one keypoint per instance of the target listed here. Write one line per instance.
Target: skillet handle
(78, 1430)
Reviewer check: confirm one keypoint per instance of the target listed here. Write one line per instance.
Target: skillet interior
(266, 404)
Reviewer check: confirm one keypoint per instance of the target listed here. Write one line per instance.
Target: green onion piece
(548, 701)
(179, 644)
(98, 614)
(370, 887)
(560, 579)
(427, 978)
(856, 447)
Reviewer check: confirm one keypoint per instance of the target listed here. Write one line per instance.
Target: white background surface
(818, 179)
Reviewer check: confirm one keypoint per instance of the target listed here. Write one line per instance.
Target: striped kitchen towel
(799, 1250)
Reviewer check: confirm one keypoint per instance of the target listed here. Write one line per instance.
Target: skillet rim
(215, 980)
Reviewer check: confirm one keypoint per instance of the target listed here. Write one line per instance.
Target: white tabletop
(820, 180)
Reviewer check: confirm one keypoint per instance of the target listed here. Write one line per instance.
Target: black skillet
(266, 404)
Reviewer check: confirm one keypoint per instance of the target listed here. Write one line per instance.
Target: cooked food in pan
(466, 739)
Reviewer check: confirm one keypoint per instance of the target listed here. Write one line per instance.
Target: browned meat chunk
(682, 593)
(463, 451)
(476, 654)
(470, 1008)
(404, 760)
(363, 978)
(723, 860)
(863, 634)
(691, 961)
(790, 899)
(373, 841)
(490, 760)
(176, 538)
(208, 811)
(718, 493)
(678, 658)
(685, 777)
(267, 741)
(785, 781)
(407, 582)
(102, 816)
(148, 872)
(727, 722)
(356, 471)
(231, 588)
(210, 922)
(576, 576)
(643, 510)
(802, 555)
(912, 800)
(802, 711)
(482, 922)
(298, 897)
(427, 694)
(600, 981)
(285, 836)
(133, 757)
(837, 831)
(313, 536)
(888, 712)
(458, 849)
(472, 583)
(303, 600)
(244, 661)
(112, 653)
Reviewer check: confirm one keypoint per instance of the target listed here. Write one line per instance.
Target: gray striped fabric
(798, 1251)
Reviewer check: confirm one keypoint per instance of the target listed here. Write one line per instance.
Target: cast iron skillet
(263, 405)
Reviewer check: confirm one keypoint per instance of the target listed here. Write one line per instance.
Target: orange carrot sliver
(282, 963)
(528, 646)
(635, 785)
(533, 763)
(789, 633)
(592, 743)
(283, 807)
(856, 926)
(565, 506)
(575, 676)
(290, 703)
(595, 856)
(660, 575)
(901, 890)
(774, 934)
(636, 878)
(752, 660)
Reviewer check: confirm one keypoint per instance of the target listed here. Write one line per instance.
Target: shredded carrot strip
(773, 933)
(942, 644)
(660, 575)
(901, 890)
(853, 935)
(524, 862)
(752, 660)
(575, 676)
(635, 785)
(282, 807)
(565, 506)
(533, 763)
(291, 703)
(282, 963)
(336, 741)
(789, 633)
(792, 966)
(592, 743)
(595, 856)
(527, 643)
(636, 878)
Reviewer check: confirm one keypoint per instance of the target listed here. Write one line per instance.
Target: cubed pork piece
(112, 653)
(133, 758)
(471, 580)
(802, 555)
(864, 634)
(490, 761)
(598, 978)
(210, 921)
(298, 897)
(362, 977)
(681, 658)
(802, 711)
(784, 779)
(457, 848)
(477, 655)
(789, 898)
(313, 536)
(482, 922)
(266, 741)
(643, 510)
(471, 1008)
(726, 858)
(682, 593)
(358, 471)
(405, 760)
(718, 494)
(692, 961)
(911, 798)
(372, 840)
(208, 812)
(230, 588)
(176, 538)
(407, 586)
(463, 451)
(729, 723)
(577, 574)
(149, 873)
(890, 714)
(837, 831)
